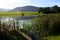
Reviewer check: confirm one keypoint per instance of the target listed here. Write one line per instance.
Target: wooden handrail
(25, 35)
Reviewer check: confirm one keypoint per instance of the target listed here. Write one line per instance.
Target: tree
(55, 9)
(22, 14)
(44, 10)
(40, 10)
(47, 10)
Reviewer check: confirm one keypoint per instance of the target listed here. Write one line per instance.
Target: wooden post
(14, 23)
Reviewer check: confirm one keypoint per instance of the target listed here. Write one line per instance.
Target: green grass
(54, 38)
(17, 13)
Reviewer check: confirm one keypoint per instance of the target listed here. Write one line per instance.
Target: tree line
(49, 10)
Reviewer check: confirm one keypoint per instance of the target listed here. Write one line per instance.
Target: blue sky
(10, 4)
(45, 3)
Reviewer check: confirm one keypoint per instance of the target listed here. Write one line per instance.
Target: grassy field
(54, 38)
(17, 13)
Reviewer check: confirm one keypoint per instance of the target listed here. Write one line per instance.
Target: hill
(26, 9)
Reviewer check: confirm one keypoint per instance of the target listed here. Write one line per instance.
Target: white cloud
(9, 4)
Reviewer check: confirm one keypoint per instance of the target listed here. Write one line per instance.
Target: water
(19, 21)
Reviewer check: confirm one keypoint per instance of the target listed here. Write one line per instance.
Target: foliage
(47, 25)
(56, 9)
(49, 10)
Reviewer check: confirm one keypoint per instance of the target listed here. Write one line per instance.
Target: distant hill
(26, 9)
(4, 10)
(21, 9)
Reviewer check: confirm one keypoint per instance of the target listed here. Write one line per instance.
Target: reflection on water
(26, 22)
(18, 22)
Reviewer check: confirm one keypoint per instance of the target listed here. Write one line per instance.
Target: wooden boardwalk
(25, 35)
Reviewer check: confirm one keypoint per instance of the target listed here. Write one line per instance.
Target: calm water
(19, 21)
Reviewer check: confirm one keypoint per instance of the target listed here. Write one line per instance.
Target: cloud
(9, 4)
(13, 1)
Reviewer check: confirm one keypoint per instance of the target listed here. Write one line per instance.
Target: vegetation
(47, 26)
(50, 10)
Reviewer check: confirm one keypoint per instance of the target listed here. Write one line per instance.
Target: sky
(10, 4)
